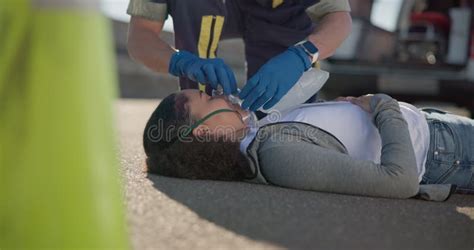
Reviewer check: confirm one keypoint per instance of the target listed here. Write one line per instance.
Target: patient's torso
(354, 128)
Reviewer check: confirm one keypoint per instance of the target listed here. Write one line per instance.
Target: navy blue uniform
(267, 27)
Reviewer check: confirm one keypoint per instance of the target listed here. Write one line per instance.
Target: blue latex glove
(206, 71)
(274, 79)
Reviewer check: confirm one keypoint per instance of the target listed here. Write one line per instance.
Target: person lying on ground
(371, 145)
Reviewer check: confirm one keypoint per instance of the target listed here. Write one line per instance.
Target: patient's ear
(201, 131)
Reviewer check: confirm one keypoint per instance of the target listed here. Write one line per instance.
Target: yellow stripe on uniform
(276, 3)
(204, 40)
(217, 35)
(204, 36)
(202, 87)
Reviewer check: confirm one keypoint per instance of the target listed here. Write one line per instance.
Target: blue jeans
(450, 158)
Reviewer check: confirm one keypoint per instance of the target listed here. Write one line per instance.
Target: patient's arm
(305, 165)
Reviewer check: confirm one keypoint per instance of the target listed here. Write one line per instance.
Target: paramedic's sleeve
(150, 9)
(305, 165)
(317, 11)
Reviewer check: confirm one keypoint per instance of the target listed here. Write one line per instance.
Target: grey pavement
(168, 213)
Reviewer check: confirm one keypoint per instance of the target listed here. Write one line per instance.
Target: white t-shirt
(354, 128)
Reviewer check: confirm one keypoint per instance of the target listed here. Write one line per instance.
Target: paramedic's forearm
(146, 47)
(330, 32)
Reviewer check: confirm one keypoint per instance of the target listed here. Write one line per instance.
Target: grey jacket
(301, 156)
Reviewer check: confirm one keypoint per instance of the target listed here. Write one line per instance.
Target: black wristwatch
(310, 49)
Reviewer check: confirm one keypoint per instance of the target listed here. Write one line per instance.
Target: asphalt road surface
(168, 213)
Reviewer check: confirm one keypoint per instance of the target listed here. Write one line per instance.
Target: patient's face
(200, 104)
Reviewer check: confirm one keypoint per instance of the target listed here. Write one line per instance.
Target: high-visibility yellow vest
(60, 185)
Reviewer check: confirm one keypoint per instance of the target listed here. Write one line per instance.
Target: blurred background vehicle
(415, 50)
(419, 51)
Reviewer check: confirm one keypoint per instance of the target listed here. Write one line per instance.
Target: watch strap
(306, 46)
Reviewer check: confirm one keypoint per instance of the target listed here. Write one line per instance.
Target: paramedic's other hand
(207, 71)
(274, 79)
(361, 101)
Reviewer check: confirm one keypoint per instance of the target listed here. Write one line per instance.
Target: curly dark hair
(217, 159)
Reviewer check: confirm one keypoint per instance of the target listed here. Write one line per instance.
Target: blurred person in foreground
(282, 38)
(370, 145)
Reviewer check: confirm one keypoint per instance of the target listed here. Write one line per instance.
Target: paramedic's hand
(208, 71)
(274, 79)
(361, 101)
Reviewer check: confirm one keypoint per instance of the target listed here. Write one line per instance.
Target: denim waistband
(433, 119)
(448, 155)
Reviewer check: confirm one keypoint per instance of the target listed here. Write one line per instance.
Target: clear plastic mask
(249, 119)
